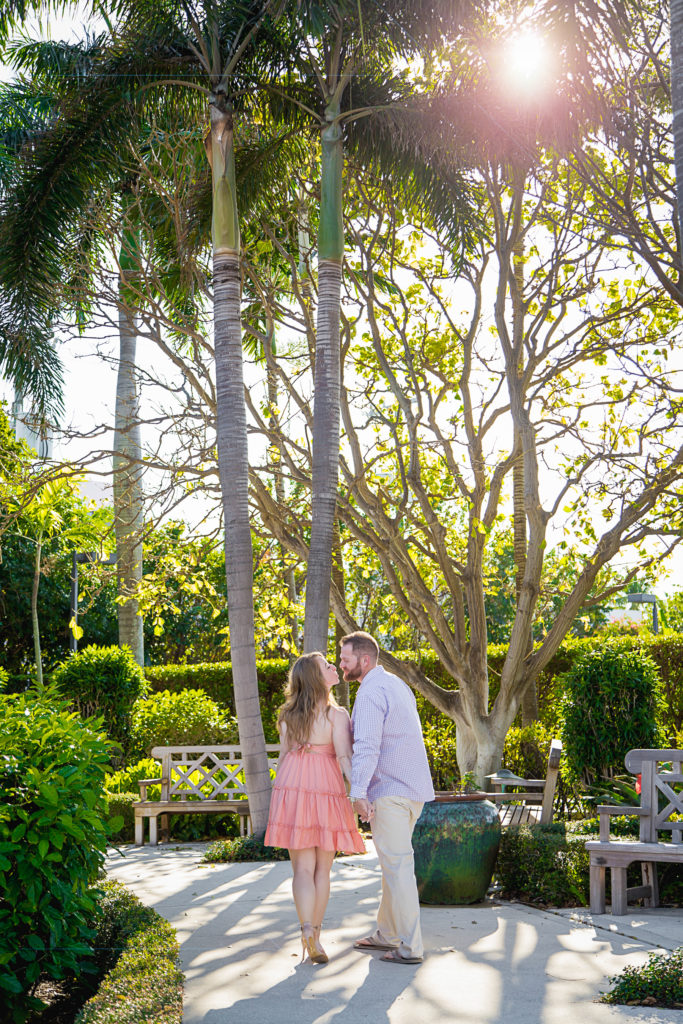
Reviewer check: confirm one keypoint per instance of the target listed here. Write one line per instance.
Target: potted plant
(456, 842)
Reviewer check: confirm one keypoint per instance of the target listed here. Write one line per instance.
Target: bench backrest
(661, 785)
(218, 771)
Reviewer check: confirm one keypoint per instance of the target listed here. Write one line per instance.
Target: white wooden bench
(534, 805)
(196, 780)
(661, 796)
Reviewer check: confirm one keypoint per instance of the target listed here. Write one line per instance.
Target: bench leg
(153, 832)
(619, 902)
(139, 831)
(165, 831)
(597, 889)
(649, 872)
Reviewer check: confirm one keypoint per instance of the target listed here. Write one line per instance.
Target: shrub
(4, 679)
(441, 754)
(52, 842)
(215, 678)
(126, 779)
(144, 983)
(543, 864)
(659, 982)
(243, 848)
(526, 750)
(120, 807)
(612, 705)
(175, 719)
(103, 681)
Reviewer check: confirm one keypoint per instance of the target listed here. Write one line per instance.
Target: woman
(310, 813)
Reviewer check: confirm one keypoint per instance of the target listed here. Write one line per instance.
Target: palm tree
(28, 362)
(343, 60)
(163, 56)
(52, 65)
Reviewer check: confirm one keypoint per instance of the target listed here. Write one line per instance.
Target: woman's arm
(343, 739)
(284, 745)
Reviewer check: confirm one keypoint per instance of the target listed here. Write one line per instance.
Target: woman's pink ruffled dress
(309, 806)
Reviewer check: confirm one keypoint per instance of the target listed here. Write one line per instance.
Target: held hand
(364, 810)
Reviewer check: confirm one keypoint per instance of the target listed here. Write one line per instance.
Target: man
(390, 781)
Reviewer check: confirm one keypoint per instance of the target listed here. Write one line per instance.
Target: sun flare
(525, 60)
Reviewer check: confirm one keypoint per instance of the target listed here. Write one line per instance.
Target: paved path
(485, 964)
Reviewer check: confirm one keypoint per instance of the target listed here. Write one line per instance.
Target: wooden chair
(534, 805)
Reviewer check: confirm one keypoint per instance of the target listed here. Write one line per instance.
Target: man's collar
(373, 671)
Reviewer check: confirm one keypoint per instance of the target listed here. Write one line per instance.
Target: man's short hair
(361, 643)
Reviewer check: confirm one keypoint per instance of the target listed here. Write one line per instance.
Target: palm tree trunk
(128, 496)
(327, 383)
(233, 460)
(342, 689)
(530, 697)
(34, 616)
(279, 485)
(676, 15)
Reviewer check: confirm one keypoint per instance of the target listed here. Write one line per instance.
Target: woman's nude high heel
(321, 951)
(316, 954)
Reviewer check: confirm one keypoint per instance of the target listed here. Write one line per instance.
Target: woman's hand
(364, 810)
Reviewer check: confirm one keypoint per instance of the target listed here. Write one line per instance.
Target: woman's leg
(303, 884)
(323, 865)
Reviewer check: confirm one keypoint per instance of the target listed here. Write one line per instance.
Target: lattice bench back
(217, 768)
(661, 791)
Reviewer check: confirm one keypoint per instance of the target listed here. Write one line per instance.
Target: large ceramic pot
(456, 842)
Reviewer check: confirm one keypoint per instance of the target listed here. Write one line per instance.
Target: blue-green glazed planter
(456, 842)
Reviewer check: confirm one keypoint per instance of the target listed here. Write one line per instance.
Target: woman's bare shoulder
(338, 714)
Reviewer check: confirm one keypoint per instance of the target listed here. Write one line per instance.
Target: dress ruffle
(309, 806)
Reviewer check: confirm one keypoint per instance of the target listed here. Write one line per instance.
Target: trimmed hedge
(144, 984)
(543, 864)
(666, 650)
(549, 864)
(215, 678)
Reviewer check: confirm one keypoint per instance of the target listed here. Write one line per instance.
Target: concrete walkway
(486, 964)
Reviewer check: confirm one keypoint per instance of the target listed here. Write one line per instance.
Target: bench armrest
(144, 783)
(620, 809)
(505, 798)
(606, 810)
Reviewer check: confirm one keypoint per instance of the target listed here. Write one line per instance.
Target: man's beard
(352, 673)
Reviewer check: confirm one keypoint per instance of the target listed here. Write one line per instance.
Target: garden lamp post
(80, 558)
(504, 777)
(646, 599)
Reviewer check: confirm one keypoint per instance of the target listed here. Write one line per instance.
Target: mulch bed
(64, 1000)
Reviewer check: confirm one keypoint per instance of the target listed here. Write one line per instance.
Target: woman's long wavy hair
(305, 694)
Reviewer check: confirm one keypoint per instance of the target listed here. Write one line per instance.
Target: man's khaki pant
(398, 917)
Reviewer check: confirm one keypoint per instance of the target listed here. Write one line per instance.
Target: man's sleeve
(368, 724)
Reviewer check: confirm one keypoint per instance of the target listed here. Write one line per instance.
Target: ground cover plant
(242, 848)
(659, 982)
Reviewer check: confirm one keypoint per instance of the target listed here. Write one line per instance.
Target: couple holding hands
(381, 752)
